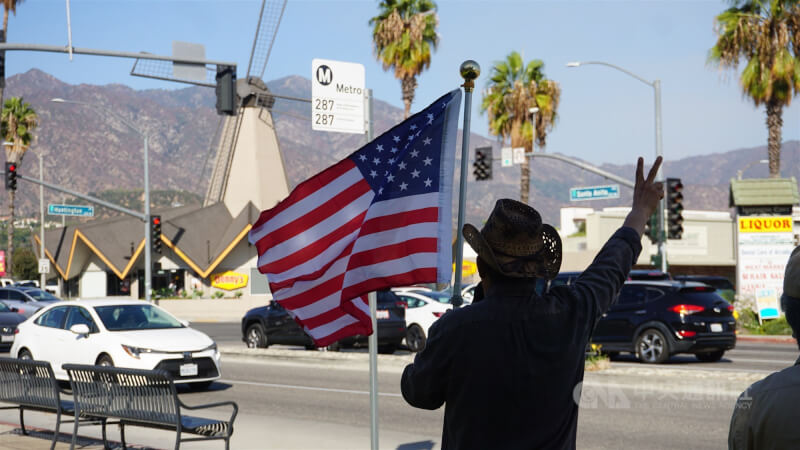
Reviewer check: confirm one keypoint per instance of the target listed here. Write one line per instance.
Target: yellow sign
(468, 268)
(778, 224)
(229, 280)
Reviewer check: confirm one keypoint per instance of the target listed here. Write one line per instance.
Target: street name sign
(338, 90)
(506, 158)
(70, 210)
(594, 193)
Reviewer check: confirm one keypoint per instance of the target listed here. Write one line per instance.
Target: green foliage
(237, 294)
(18, 122)
(22, 237)
(581, 230)
(218, 294)
(24, 265)
(748, 319)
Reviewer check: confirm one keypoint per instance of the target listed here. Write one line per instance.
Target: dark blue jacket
(507, 367)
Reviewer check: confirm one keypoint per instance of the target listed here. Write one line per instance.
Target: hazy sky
(604, 116)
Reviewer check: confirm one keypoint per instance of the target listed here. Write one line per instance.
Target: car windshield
(42, 296)
(135, 317)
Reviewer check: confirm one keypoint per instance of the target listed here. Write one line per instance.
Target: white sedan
(421, 313)
(122, 333)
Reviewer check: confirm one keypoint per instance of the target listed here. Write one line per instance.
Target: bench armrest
(213, 405)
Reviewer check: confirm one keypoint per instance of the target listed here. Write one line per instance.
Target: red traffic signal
(11, 176)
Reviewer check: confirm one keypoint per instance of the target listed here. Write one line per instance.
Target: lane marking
(306, 388)
(685, 367)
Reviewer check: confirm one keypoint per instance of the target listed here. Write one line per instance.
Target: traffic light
(651, 228)
(11, 176)
(155, 233)
(226, 90)
(674, 208)
(482, 167)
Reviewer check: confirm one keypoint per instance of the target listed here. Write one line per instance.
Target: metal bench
(145, 398)
(32, 385)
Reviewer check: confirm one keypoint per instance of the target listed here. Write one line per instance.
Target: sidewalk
(774, 339)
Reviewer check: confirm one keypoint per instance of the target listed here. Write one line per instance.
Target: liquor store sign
(764, 246)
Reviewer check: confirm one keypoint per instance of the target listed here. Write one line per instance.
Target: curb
(766, 339)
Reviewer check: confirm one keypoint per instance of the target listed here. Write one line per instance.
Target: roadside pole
(373, 311)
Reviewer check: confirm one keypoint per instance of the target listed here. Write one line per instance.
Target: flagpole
(373, 338)
(469, 71)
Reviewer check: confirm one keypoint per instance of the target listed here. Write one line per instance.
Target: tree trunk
(525, 168)
(409, 85)
(10, 232)
(774, 125)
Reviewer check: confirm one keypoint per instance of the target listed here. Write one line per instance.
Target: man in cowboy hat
(765, 415)
(509, 366)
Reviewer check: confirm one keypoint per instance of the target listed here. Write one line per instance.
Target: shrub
(218, 294)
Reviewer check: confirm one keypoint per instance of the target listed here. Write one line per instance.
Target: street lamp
(148, 277)
(749, 165)
(656, 85)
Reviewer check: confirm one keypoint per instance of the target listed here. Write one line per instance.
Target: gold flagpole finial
(469, 71)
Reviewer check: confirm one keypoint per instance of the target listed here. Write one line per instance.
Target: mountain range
(88, 150)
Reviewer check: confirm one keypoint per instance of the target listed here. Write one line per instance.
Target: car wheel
(710, 356)
(415, 338)
(25, 354)
(335, 347)
(256, 338)
(104, 361)
(652, 347)
(387, 349)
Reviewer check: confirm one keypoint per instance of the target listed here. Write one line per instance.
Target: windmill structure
(249, 166)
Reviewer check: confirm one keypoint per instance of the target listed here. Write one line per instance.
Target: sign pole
(373, 308)
(469, 71)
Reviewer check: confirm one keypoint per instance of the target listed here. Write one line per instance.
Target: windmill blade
(267, 29)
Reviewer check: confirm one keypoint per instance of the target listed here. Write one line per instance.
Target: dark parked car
(272, 324)
(723, 285)
(649, 275)
(657, 319)
(9, 319)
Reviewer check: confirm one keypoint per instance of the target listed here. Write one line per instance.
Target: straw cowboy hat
(515, 243)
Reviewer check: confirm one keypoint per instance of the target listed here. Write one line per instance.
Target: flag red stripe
(317, 292)
(358, 328)
(390, 252)
(318, 246)
(277, 286)
(313, 217)
(401, 219)
(307, 188)
(423, 275)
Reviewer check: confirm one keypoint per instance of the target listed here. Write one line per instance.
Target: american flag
(377, 219)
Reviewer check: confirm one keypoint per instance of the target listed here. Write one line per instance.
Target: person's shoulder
(788, 378)
(455, 318)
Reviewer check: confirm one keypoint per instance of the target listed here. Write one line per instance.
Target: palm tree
(403, 34)
(766, 33)
(8, 5)
(16, 126)
(514, 88)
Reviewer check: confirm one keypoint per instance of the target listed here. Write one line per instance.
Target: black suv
(272, 324)
(657, 319)
(723, 285)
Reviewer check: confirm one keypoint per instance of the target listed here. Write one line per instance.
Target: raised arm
(599, 284)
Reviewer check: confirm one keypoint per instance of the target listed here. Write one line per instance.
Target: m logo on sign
(324, 75)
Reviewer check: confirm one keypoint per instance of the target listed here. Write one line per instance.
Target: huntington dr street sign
(70, 210)
(594, 193)
(337, 96)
